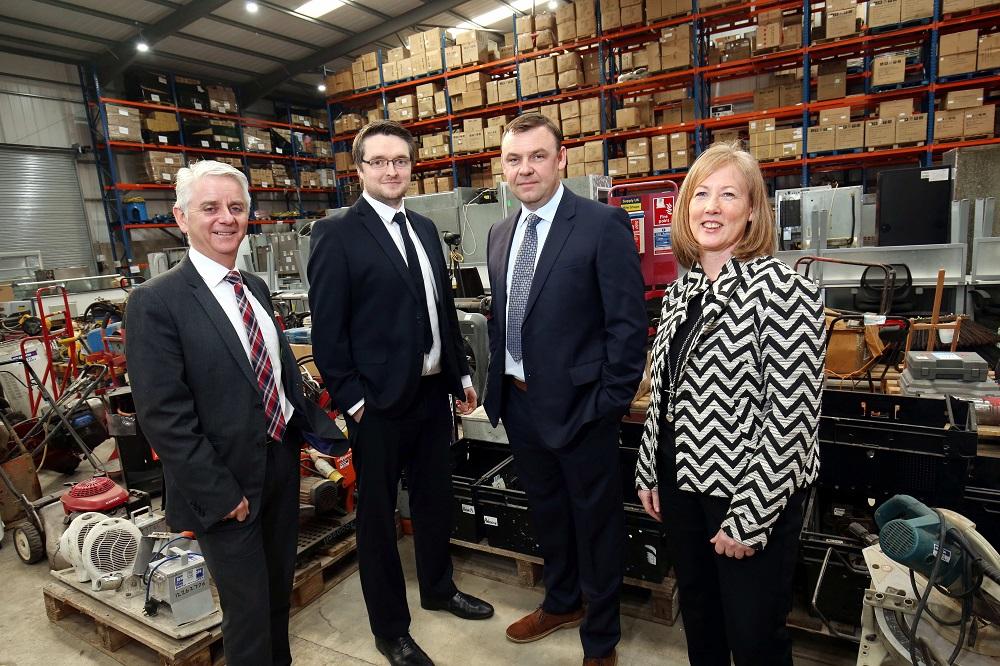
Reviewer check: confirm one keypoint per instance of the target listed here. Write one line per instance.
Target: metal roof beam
(112, 64)
(57, 31)
(260, 87)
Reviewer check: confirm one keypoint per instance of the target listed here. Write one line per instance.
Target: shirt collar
(546, 212)
(211, 271)
(386, 213)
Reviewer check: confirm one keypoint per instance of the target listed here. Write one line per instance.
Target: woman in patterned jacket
(729, 444)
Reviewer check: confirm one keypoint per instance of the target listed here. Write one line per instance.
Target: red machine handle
(647, 185)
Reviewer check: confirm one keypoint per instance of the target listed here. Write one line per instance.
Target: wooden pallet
(656, 602)
(109, 631)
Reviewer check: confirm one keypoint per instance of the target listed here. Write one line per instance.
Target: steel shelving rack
(114, 190)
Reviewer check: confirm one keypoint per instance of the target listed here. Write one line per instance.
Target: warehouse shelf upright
(114, 188)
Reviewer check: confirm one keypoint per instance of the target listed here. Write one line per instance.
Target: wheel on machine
(28, 543)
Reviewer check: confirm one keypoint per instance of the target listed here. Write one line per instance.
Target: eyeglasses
(378, 163)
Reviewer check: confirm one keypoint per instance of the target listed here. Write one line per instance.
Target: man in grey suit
(219, 396)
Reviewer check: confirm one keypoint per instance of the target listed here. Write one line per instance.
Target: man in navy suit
(386, 341)
(567, 350)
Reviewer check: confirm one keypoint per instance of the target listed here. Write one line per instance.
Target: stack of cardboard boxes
(403, 109)
(431, 182)
(222, 99)
(124, 123)
(776, 32)
(637, 112)
(280, 176)
(343, 162)
(958, 52)
(782, 89)
(471, 139)
(365, 71)
(769, 142)
(586, 19)
(535, 32)
(431, 100)
(657, 10)
(671, 51)
(160, 127)
(585, 159)
(161, 167)
(433, 146)
(954, 6)
(892, 12)
(473, 47)
(257, 139)
(840, 19)
(569, 70)
(501, 91)
(831, 80)
(566, 23)
(538, 76)
(308, 179)
(467, 91)
(261, 177)
(729, 49)
(348, 122)
(681, 109)
(965, 116)
(496, 171)
(322, 148)
(895, 125)
(480, 176)
(340, 82)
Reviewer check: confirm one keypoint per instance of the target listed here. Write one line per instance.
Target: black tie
(413, 263)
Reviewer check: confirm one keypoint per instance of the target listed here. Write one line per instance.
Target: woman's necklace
(674, 373)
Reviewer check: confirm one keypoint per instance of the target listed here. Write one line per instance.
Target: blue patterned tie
(520, 286)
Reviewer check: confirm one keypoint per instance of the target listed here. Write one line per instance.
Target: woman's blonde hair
(759, 238)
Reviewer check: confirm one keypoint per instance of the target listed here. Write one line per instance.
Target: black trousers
(253, 563)
(575, 495)
(417, 442)
(730, 606)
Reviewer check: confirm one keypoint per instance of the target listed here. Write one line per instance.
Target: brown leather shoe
(540, 624)
(610, 660)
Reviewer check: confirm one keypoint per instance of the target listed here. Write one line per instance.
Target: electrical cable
(146, 607)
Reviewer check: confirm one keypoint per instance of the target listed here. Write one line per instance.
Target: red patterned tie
(260, 360)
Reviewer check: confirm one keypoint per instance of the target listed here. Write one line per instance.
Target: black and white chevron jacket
(747, 406)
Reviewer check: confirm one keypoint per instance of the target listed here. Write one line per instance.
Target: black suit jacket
(197, 399)
(366, 327)
(585, 326)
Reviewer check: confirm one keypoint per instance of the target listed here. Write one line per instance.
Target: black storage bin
(152, 87)
(471, 461)
(875, 446)
(646, 553)
(503, 510)
(982, 498)
(140, 468)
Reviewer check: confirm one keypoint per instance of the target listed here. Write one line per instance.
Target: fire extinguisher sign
(633, 206)
(663, 215)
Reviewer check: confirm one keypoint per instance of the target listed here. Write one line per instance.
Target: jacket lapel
(373, 223)
(505, 238)
(559, 231)
(218, 317)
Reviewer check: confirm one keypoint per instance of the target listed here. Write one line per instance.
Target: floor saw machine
(935, 592)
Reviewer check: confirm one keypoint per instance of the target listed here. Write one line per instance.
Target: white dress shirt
(432, 359)
(214, 273)
(547, 213)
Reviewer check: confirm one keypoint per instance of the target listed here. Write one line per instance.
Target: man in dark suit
(567, 349)
(219, 396)
(387, 343)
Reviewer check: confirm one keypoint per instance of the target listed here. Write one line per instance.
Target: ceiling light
(553, 5)
(317, 8)
(252, 7)
(141, 46)
(491, 17)
(321, 87)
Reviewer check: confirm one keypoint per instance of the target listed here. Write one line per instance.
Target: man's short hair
(188, 176)
(384, 127)
(530, 121)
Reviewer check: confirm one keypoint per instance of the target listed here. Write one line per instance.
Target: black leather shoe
(403, 651)
(462, 605)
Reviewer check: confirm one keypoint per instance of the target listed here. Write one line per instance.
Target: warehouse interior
(875, 131)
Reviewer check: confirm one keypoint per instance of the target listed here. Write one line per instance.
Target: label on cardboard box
(822, 139)
(911, 129)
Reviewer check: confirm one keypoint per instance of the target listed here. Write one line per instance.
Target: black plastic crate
(875, 446)
(646, 553)
(503, 510)
(471, 461)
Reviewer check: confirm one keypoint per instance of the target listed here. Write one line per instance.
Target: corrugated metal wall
(41, 207)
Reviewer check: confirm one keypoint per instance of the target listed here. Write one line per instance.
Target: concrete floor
(334, 628)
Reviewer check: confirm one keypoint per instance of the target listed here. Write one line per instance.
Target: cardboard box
(988, 54)
(911, 129)
(546, 65)
(838, 116)
(525, 43)
(762, 153)
(789, 149)
(762, 125)
(896, 108)
(883, 12)
(840, 23)
(980, 121)
(628, 117)
(849, 135)
(545, 39)
(638, 166)
(680, 159)
(910, 10)
(637, 147)
(453, 57)
(590, 123)
(527, 69)
(768, 35)
(949, 124)
(571, 127)
(831, 86)
(959, 63)
(787, 134)
(839, 5)
(766, 98)
(576, 155)
(822, 139)
(948, 6)
(571, 79)
(492, 95)
(566, 32)
(570, 109)
(568, 61)
(679, 141)
(789, 94)
(547, 83)
(524, 24)
(576, 170)
(444, 184)
(659, 149)
(880, 132)
(888, 68)
(631, 15)
(954, 43)
(618, 167)
(529, 85)
(964, 99)
(586, 26)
